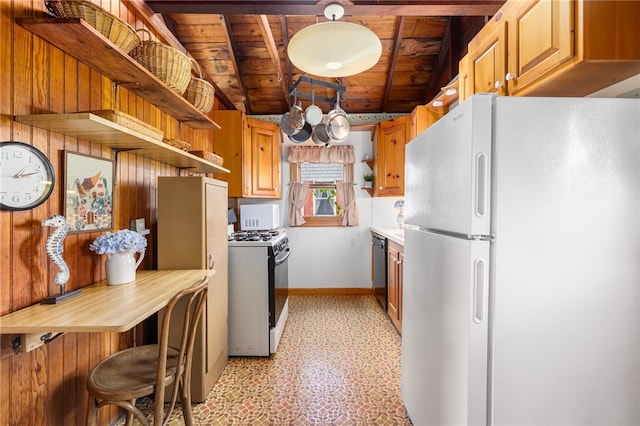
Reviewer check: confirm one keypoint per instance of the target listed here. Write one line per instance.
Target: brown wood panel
(47, 386)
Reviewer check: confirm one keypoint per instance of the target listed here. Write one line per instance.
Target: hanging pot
(296, 114)
(302, 135)
(313, 113)
(338, 126)
(320, 136)
(285, 126)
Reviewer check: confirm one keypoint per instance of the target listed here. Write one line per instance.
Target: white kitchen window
(319, 176)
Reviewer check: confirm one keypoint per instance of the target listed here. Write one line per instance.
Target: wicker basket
(200, 92)
(170, 65)
(115, 29)
(130, 122)
(185, 146)
(209, 156)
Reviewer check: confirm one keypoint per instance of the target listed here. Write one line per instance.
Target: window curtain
(298, 190)
(316, 154)
(297, 195)
(347, 194)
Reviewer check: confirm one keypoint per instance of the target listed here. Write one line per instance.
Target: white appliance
(254, 217)
(258, 291)
(522, 264)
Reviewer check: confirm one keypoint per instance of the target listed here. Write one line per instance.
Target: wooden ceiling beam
(436, 78)
(285, 41)
(267, 35)
(232, 47)
(164, 26)
(315, 8)
(397, 40)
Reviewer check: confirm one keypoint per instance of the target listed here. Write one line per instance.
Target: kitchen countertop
(394, 234)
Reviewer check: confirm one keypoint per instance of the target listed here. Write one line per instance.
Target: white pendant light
(334, 49)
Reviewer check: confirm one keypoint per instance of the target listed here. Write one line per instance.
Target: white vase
(121, 267)
(400, 218)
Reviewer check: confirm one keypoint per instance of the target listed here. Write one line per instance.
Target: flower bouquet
(120, 248)
(119, 242)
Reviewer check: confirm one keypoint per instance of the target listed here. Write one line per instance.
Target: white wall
(335, 257)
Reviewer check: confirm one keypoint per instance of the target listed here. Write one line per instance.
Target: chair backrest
(194, 301)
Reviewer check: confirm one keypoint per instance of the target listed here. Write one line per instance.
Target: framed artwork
(88, 186)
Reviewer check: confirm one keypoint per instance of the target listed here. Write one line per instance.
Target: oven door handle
(286, 256)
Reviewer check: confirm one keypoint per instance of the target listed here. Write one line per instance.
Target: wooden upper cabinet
(541, 37)
(421, 118)
(465, 84)
(554, 48)
(264, 168)
(389, 148)
(488, 57)
(251, 151)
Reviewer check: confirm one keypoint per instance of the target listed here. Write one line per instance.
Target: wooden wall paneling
(71, 354)
(6, 110)
(19, 397)
(40, 103)
(47, 386)
(22, 251)
(39, 385)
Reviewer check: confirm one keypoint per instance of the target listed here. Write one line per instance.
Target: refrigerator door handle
(479, 290)
(482, 182)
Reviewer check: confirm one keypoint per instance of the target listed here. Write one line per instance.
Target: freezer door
(447, 185)
(444, 329)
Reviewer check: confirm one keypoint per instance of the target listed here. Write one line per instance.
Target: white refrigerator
(522, 264)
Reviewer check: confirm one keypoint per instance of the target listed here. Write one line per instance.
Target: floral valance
(317, 154)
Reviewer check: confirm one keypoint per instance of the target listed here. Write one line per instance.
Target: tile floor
(338, 364)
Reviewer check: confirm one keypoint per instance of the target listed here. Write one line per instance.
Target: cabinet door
(488, 58)
(421, 118)
(217, 258)
(400, 285)
(392, 137)
(541, 37)
(465, 84)
(263, 172)
(393, 292)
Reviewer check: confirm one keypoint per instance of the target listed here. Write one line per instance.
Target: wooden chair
(140, 371)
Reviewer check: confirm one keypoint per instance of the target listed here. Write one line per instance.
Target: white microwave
(259, 217)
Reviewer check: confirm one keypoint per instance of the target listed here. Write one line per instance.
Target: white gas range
(258, 291)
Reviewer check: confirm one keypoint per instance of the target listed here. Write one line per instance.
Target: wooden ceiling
(241, 46)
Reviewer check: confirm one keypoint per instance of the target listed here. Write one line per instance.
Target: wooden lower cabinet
(395, 260)
(192, 234)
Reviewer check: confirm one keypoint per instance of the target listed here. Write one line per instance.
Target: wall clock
(26, 176)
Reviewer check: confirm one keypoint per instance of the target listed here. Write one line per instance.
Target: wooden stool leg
(129, 421)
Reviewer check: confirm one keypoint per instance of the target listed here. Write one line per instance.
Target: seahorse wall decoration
(55, 247)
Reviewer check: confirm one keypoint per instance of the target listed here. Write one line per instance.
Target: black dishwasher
(379, 244)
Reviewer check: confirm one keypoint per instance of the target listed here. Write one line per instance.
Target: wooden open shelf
(80, 40)
(91, 127)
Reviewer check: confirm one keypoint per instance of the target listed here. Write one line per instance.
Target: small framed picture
(88, 185)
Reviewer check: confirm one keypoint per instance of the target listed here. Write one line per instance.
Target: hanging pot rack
(294, 90)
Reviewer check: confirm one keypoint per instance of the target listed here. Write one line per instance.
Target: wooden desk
(104, 308)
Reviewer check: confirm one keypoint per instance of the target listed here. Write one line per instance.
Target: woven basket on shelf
(115, 29)
(130, 122)
(185, 146)
(170, 65)
(209, 156)
(199, 92)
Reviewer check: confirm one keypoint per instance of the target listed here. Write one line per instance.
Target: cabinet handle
(212, 261)
(510, 77)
